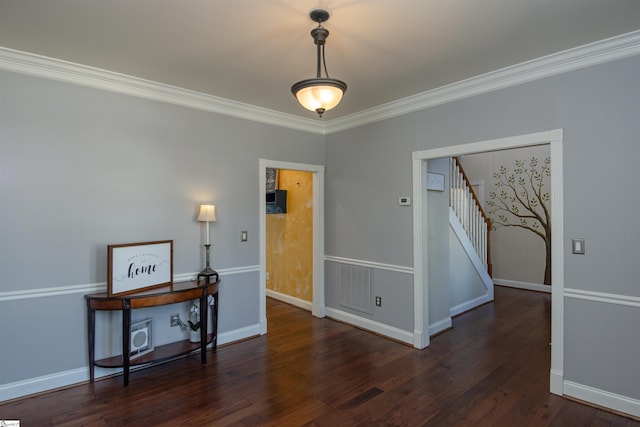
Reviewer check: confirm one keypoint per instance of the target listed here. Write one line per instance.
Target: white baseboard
(370, 325)
(603, 398)
(385, 330)
(440, 326)
(79, 375)
(297, 302)
(556, 382)
(522, 285)
(470, 305)
(43, 383)
(239, 334)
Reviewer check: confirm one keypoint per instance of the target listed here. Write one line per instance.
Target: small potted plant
(194, 323)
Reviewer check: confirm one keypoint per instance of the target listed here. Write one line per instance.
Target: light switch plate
(577, 246)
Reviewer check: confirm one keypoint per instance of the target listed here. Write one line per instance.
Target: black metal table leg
(203, 328)
(126, 339)
(91, 339)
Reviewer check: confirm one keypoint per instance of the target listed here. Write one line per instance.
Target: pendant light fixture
(322, 93)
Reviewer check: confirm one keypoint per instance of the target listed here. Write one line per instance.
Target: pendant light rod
(320, 35)
(319, 47)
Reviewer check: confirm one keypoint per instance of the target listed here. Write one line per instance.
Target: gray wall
(370, 166)
(395, 289)
(82, 168)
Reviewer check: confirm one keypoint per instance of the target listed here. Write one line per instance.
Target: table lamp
(207, 215)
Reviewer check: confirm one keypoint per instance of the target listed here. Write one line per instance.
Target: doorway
(420, 226)
(290, 237)
(317, 172)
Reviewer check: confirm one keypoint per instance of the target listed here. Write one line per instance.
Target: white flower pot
(194, 336)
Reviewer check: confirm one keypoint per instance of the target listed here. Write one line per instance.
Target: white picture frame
(134, 267)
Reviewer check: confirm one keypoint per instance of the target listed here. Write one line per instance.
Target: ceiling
(252, 51)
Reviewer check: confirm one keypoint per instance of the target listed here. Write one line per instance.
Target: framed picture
(272, 179)
(138, 266)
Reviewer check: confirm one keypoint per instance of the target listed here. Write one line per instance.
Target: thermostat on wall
(404, 201)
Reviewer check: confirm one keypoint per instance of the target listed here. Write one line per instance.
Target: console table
(175, 293)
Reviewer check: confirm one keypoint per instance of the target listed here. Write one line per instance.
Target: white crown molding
(607, 50)
(55, 69)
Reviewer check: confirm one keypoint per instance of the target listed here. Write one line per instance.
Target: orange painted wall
(290, 238)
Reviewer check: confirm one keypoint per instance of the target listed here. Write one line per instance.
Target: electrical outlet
(378, 301)
(175, 319)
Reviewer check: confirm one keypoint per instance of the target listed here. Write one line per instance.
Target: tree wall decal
(520, 200)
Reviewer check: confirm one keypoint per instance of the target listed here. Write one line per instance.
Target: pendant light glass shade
(319, 94)
(322, 93)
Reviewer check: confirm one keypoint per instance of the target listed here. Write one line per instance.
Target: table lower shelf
(161, 353)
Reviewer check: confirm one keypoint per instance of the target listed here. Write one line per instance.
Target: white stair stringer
(462, 236)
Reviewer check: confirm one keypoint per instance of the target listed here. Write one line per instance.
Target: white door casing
(420, 220)
(318, 304)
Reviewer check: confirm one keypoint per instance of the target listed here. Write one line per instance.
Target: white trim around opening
(421, 283)
(318, 305)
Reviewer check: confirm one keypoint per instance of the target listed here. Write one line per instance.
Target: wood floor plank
(490, 369)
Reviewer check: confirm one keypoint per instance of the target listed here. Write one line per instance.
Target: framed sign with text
(139, 266)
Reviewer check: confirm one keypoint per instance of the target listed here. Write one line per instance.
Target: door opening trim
(421, 283)
(318, 305)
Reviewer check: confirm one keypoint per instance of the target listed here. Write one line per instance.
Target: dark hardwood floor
(491, 369)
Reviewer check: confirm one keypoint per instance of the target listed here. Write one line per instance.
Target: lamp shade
(319, 94)
(207, 213)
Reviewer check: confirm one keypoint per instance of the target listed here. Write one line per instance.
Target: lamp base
(207, 274)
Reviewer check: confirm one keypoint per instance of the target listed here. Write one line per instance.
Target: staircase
(468, 210)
